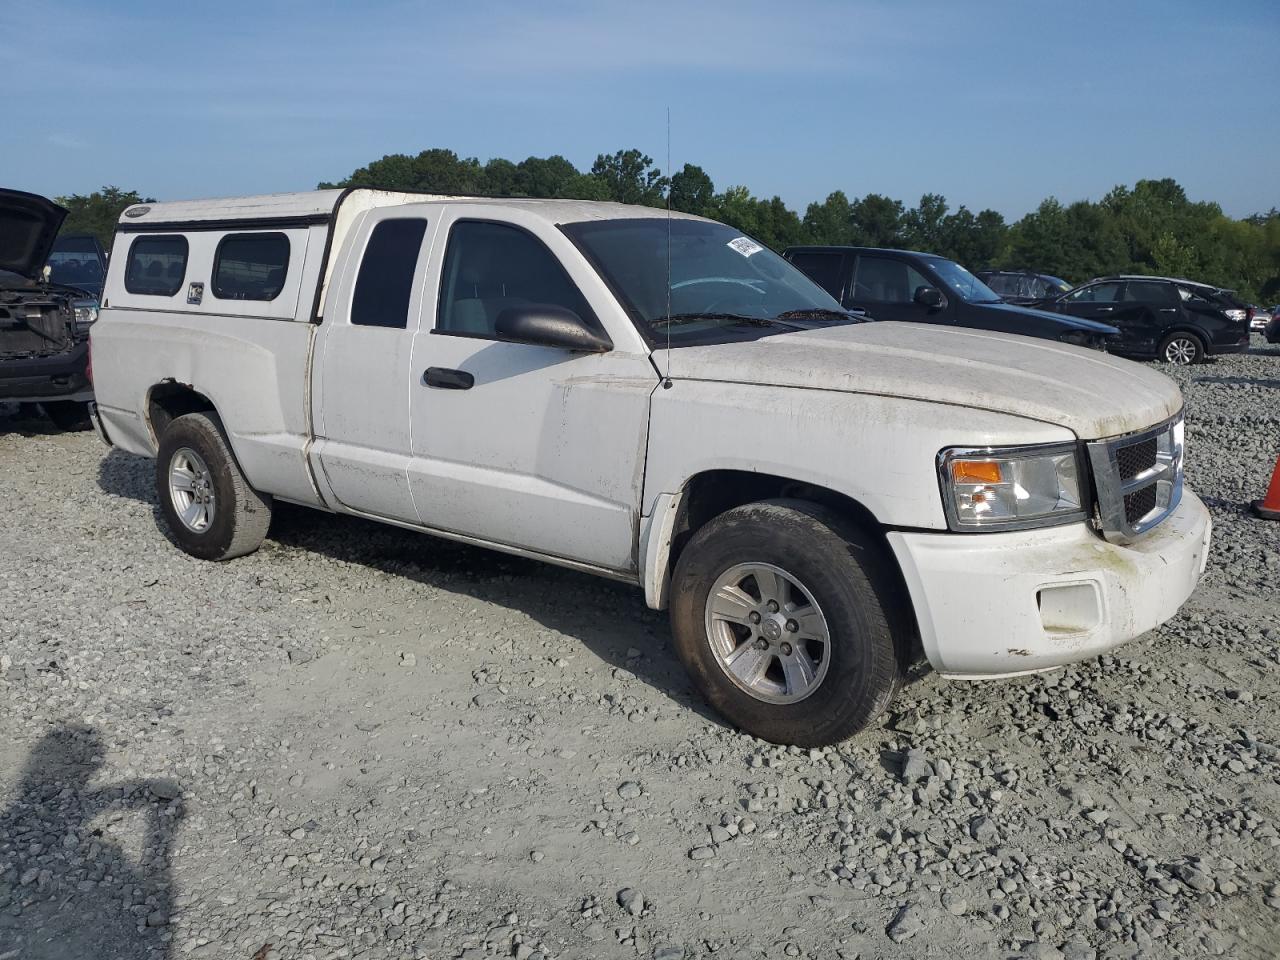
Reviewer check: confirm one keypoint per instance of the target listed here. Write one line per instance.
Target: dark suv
(1178, 321)
(44, 325)
(1023, 286)
(926, 288)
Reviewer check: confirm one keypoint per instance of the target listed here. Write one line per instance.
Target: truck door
(529, 446)
(885, 288)
(363, 379)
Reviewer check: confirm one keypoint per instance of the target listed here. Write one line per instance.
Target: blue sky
(991, 104)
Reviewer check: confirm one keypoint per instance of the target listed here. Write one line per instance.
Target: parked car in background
(44, 324)
(927, 288)
(78, 260)
(657, 399)
(1023, 286)
(1272, 330)
(1177, 321)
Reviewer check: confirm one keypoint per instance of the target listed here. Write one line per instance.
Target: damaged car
(44, 325)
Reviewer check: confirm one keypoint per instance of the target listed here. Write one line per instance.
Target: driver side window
(491, 267)
(882, 280)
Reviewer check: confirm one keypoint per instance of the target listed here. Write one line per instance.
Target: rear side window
(491, 267)
(385, 282)
(824, 269)
(157, 265)
(250, 266)
(1144, 291)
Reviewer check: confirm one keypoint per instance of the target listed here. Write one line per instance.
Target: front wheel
(788, 621)
(1181, 349)
(211, 510)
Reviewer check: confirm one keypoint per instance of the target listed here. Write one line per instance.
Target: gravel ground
(361, 742)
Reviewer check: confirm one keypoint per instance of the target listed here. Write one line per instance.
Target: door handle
(1168, 309)
(1105, 309)
(447, 379)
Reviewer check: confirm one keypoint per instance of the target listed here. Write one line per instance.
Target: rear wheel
(788, 622)
(210, 508)
(68, 415)
(1181, 349)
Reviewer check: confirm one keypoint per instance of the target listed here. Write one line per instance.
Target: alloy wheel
(767, 633)
(191, 490)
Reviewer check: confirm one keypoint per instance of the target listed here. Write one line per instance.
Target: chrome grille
(1137, 479)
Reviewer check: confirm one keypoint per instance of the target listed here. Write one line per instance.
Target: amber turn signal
(976, 471)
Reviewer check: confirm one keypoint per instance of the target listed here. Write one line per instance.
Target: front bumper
(1002, 604)
(63, 376)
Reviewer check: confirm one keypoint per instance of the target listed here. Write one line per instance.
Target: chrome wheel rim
(767, 633)
(191, 490)
(1180, 351)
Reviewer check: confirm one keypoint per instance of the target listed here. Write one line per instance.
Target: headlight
(994, 488)
(86, 313)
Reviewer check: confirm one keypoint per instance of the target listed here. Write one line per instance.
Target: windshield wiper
(816, 313)
(677, 319)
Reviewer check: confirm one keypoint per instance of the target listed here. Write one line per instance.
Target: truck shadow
(69, 889)
(25, 419)
(610, 619)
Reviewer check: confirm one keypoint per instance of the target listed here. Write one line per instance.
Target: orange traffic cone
(1268, 508)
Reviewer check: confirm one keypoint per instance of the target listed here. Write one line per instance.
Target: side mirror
(544, 325)
(930, 297)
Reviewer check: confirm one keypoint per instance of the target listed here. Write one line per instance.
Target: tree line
(1150, 228)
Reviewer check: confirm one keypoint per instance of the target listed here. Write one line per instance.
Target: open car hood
(28, 225)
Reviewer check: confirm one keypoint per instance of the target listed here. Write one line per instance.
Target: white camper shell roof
(336, 210)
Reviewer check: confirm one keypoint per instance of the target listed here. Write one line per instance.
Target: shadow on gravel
(69, 890)
(25, 419)
(609, 618)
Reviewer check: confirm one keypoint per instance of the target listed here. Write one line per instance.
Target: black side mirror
(545, 325)
(930, 297)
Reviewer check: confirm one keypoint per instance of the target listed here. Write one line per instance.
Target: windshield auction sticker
(745, 246)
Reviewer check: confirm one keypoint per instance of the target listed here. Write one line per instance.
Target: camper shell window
(250, 266)
(157, 265)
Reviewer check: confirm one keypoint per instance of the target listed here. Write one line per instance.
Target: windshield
(961, 282)
(724, 286)
(75, 261)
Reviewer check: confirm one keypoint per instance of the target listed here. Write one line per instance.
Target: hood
(1090, 393)
(28, 225)
(1062, 319)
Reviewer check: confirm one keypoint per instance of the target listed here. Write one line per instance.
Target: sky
(990, 104)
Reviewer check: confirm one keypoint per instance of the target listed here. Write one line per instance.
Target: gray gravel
(359, 742)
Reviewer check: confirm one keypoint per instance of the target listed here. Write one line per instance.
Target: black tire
(241, 515)
(1193, 348)
(69, 415)
(846, 573)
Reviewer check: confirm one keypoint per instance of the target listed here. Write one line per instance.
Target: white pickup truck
(660, 400)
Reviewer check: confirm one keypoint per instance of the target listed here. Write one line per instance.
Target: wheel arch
(710, 493)
(170, 399)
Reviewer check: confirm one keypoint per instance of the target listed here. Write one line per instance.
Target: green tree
(431, 171)
(831, 221)
(500, 178)
(631, 178)
(923, 226)
(877, 221)
(545, 176)
(98, 212)
(586, 186)
(692, 190)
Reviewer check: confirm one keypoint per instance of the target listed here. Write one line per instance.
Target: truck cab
(654, 398)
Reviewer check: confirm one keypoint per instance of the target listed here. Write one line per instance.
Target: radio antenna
(666, 381)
